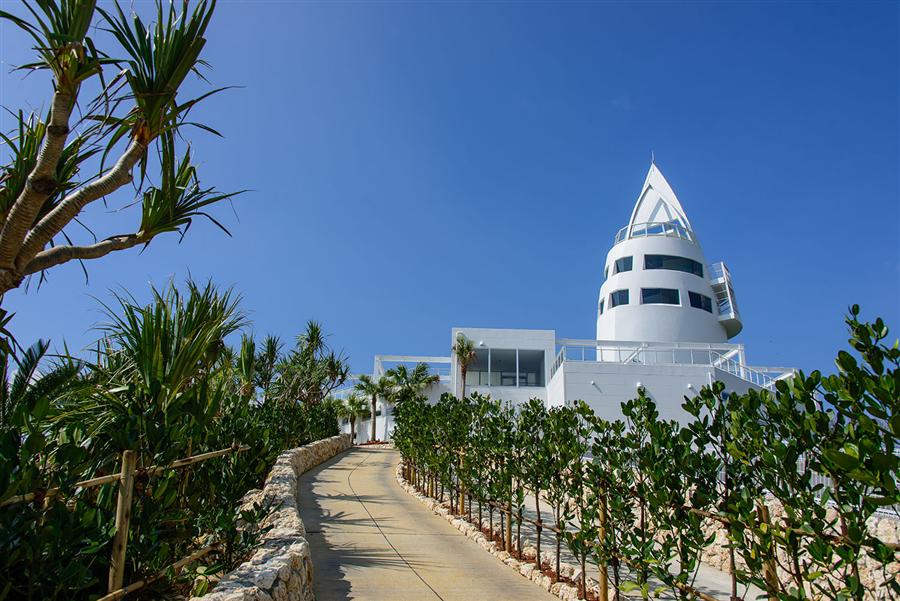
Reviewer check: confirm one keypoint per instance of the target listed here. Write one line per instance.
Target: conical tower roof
(657, 202)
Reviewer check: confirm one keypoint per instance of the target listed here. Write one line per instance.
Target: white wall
(556, 389)
(615, 383)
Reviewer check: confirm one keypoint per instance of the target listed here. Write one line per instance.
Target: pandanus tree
(464, 349)
(59, 165)
(267, 360)
(374, 389)
(311, 371)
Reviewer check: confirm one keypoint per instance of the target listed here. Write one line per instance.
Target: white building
(664, 318)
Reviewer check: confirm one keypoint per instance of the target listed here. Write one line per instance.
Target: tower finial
(652, 157)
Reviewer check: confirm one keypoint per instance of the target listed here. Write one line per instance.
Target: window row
(506, 367)
(669, 262)
(658, 296)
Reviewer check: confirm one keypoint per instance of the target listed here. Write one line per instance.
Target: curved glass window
(700, 301)
(674, 263)
(623, 264)
(605, 273)
(601, 306)
(659, 296)
(619, 297)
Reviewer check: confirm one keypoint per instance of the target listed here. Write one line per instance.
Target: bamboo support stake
(101, 480)
(121, 592)
(462, 487)
(770, 570)
(604, 573)
(123, 516)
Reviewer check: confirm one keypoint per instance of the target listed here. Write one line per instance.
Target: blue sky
(419, 166)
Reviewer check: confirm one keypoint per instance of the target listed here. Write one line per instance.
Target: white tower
(657, 285)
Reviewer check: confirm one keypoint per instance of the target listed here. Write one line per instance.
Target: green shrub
(824, 447)
(164, 384)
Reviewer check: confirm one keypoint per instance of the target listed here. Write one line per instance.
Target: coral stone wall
(281, 569)
(883, 527)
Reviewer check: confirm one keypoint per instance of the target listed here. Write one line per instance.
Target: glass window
(503, 367)
(623, 264)
(601, 306)
(700, 301)
(477, 374)
(659, 296)
(531, 368)
(605, 272)
(673, 263)
(619, 297)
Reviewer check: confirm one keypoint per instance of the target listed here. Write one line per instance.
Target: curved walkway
(372, 541)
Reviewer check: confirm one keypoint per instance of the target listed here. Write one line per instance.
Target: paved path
(372, 541)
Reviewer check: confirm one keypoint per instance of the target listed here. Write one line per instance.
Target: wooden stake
(123, 517)
(604, 574)
(462, 488)
(770, 570)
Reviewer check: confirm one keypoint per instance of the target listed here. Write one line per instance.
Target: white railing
(720, 356)
(724, 290)
(654, 228)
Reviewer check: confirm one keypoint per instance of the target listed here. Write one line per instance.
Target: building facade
(664, 319)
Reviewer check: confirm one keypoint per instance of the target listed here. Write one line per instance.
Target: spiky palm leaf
(60, 34)
(173, 205)
(159, 59)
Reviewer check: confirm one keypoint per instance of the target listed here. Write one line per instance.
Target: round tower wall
(640, 322)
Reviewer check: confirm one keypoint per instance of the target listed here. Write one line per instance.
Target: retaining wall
(281, 569)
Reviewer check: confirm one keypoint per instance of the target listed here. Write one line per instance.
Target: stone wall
(883, 527)
(281, 568)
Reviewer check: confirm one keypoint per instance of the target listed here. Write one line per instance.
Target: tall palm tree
(354, 406)
(382, 387)
(464, 349)
(410, 383)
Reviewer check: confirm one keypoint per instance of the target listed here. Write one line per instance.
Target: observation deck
(668, 229)
(722, 286)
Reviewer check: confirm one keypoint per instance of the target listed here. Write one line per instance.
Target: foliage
(464, 349)
(374, 389)
(352, 408)
(61, 163)
(823, 448)
(165, 384)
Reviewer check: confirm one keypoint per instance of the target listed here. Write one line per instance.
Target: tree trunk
(374, 401)
(41, 182)
(558, 540)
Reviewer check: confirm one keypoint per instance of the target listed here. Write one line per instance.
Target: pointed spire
(657, 201)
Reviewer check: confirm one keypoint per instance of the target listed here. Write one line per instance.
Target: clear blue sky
(420, 166)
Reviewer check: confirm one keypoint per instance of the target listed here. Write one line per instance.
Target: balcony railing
(721, 356)
(654, 228)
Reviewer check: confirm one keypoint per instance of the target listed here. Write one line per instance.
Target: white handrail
(715, 356)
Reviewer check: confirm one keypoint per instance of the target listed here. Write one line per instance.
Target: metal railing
(722, 287)
(654, 228)
(719, 356)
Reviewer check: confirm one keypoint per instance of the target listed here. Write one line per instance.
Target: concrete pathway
(372, 541)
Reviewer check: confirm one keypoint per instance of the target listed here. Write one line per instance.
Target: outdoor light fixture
(690, 386)
(639, 385)
(481, 343)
